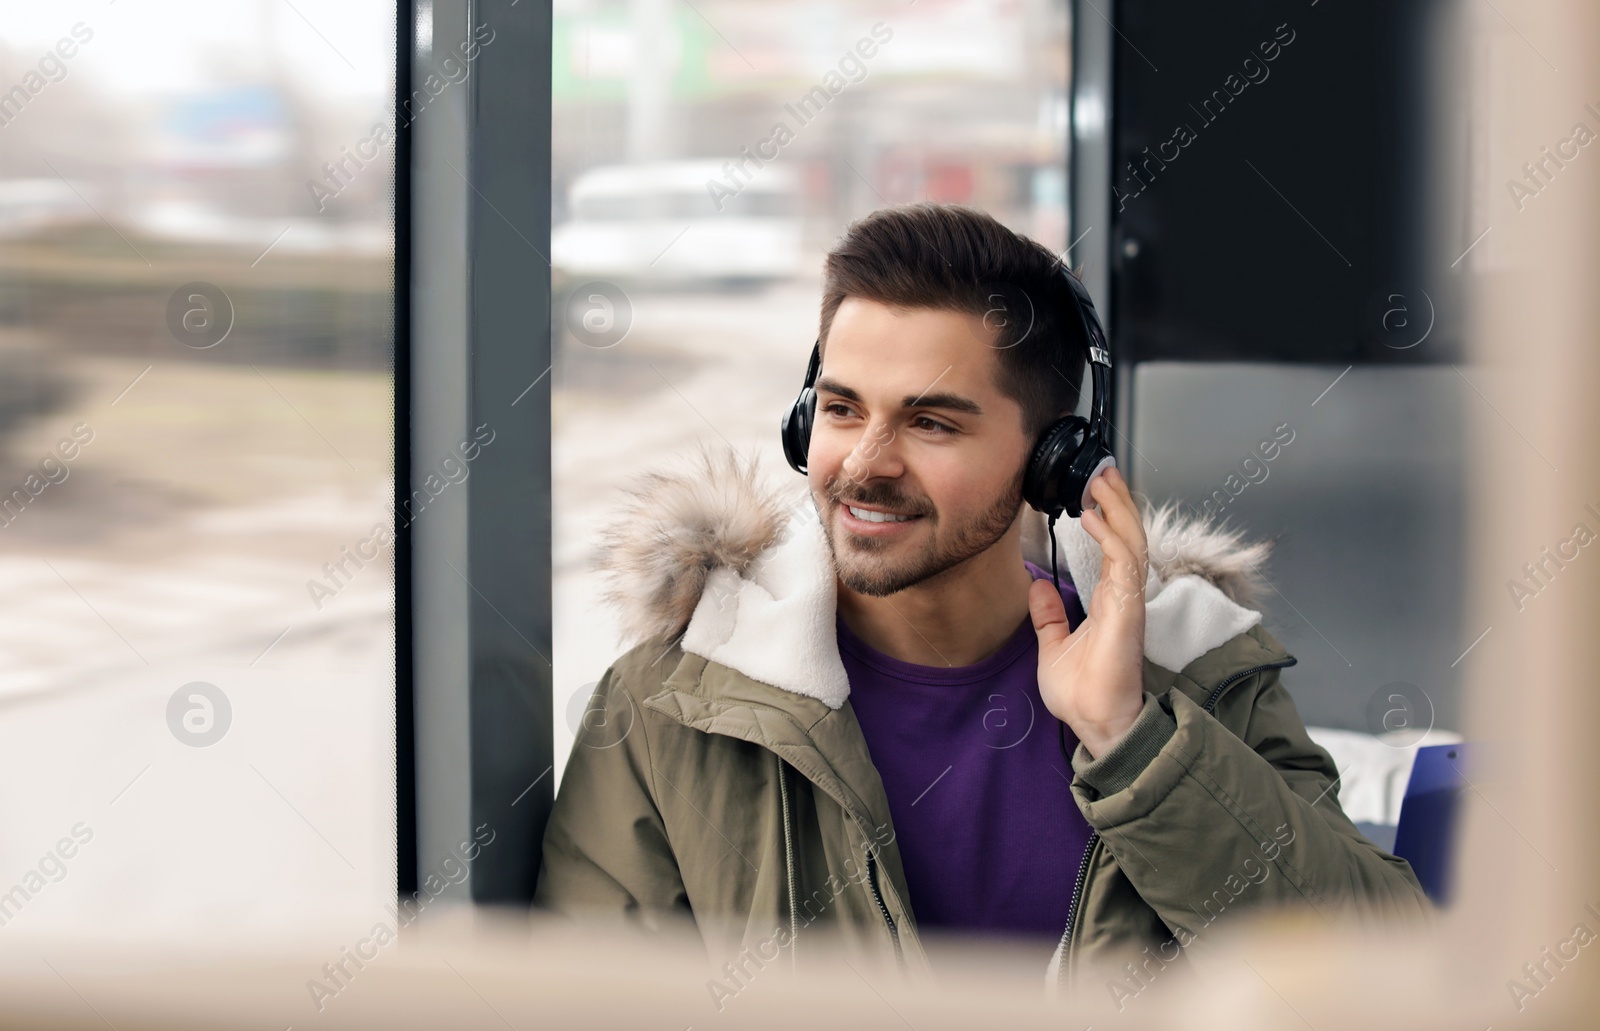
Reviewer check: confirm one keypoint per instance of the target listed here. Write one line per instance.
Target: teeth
(876, 517)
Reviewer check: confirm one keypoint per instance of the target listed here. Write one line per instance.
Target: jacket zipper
(1072, 907)
(1094, 836)
(1217, 691)
(872, 874)
(788, 860)
(872, 882)
(788, 857)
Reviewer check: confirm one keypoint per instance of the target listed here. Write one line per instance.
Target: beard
(861, 564)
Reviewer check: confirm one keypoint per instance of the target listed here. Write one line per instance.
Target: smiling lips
(871, 522)
(870, 516)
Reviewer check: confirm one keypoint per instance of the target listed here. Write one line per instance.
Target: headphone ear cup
(797, 429)
(1046, 485)
(1091, 460)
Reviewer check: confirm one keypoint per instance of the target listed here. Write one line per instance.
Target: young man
(856, 715)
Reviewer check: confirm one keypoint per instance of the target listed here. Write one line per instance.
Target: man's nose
(875, 455)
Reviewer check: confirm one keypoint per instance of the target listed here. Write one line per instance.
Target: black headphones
(1069, 453)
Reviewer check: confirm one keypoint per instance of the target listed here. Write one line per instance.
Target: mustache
(884, 495)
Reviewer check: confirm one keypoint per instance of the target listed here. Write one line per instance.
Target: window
(197, 438)
(704, 160)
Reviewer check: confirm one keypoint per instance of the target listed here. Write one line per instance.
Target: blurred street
(177, 550)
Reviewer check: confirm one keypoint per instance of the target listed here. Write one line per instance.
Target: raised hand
(1092, 679)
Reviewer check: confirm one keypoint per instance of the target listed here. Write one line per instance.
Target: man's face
(916, 456)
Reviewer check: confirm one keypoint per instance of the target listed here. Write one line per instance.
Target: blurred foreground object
(486, 971)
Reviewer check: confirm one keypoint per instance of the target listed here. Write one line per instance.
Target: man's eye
(933, 425)
(837, 409)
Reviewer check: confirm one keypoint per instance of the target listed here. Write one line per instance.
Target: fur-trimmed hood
(739, 571)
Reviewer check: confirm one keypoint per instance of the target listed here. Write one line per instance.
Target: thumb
(1049, 614)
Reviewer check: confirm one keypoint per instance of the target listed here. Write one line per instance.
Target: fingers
(1123, 572)
(1118, 507)
(1120, 559)
(1121, 513)
(1049, 613)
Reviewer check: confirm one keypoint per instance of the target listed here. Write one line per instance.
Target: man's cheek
(826, 479)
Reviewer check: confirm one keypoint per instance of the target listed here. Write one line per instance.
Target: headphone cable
(1054, 574)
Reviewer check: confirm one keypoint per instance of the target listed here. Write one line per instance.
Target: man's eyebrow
(947, 401)
(835, 387)
(951, 402)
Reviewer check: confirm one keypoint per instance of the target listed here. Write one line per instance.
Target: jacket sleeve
(1197, 814)
(606, 855)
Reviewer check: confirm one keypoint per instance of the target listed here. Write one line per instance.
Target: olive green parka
(720, 775)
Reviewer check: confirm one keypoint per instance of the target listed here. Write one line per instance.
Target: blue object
(1380, 834)
(1426, 834)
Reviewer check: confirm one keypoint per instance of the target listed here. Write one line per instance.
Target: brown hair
(954, 258)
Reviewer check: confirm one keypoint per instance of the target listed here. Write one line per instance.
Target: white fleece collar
(776, 624)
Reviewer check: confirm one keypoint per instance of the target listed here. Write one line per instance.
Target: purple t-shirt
(978, 788)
